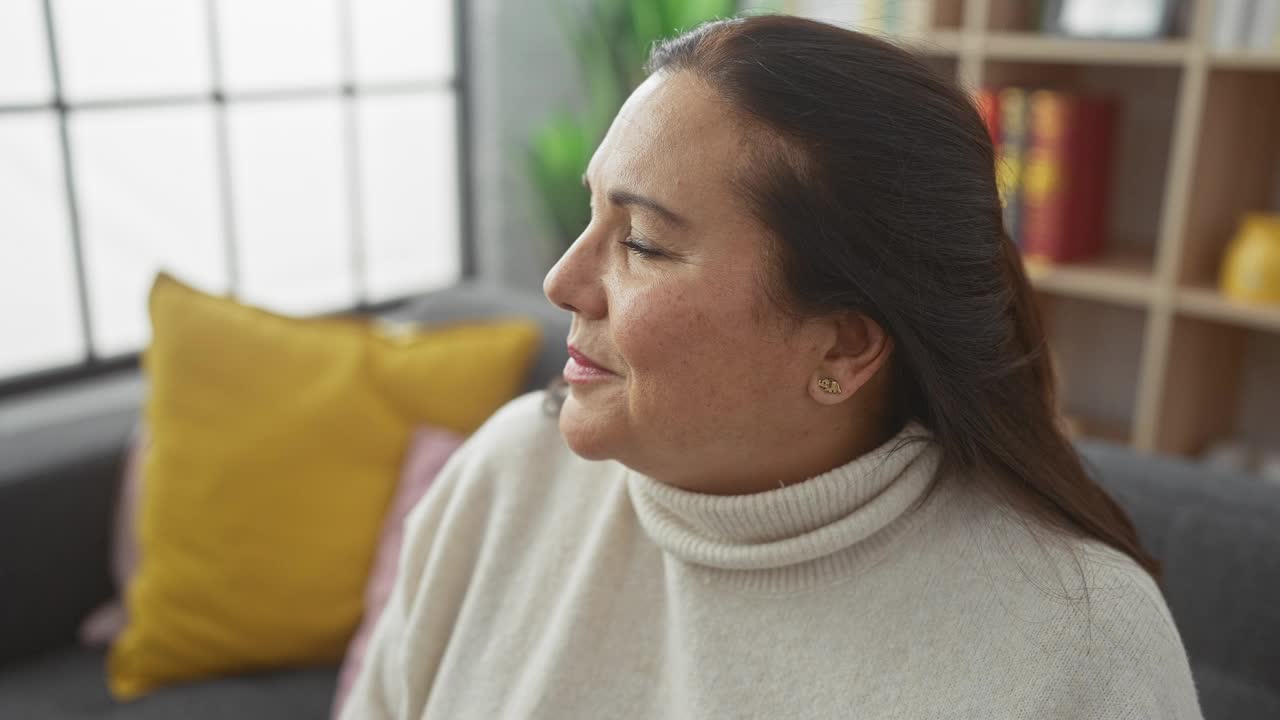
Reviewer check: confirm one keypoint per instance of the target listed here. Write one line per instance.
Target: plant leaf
(611, 40)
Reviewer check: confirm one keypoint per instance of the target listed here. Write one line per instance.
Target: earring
(829, 386)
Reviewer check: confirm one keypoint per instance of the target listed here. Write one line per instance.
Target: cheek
(690, 344)
(651, 328)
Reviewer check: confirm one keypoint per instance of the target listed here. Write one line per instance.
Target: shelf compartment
(1244, 60)
(1220, 383)
(948, 14)
(1143, 138)
(1097, 352)
(938, 43)
(1236, 170)
(1025, 16)
(1209, 304)
(1121, 277)
(1012, 15)
(1036, 47)
(1119, 432)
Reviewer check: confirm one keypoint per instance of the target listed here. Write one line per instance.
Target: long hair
(876, 176)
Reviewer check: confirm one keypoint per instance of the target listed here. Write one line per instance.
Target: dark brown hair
(879, 185)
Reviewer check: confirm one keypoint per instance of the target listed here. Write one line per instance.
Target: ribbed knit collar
(796, 535)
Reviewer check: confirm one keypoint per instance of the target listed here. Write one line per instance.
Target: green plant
(611, 40)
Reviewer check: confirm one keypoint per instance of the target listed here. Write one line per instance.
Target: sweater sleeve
(1152, 680)
(444, 537)
(381, 690)
(435, 565)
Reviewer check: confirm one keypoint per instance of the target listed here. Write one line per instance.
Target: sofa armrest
(60, 461)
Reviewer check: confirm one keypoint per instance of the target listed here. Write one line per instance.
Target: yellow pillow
(275, 446)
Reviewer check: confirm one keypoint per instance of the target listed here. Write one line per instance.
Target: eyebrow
(627, 198)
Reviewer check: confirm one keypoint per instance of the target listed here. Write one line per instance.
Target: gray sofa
(1218, 537)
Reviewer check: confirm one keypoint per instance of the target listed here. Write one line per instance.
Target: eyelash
(640, 250)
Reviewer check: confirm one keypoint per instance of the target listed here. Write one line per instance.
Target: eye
(638, 248)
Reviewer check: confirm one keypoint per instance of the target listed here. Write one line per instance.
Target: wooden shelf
(937, 42)
(1045, 48)
(1240, 60)
(1123, 279)
(1114, 431)
(1209, 304)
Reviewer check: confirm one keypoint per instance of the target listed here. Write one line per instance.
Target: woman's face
(704, 382)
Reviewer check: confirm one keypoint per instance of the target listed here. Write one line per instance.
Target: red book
(989, 108)
(1067, 176)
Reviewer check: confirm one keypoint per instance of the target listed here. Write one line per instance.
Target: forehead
(672, 136)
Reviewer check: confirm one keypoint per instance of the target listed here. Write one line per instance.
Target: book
(880, 17)
(915, 17)
(1252, 25)
(1230, 23)
(1115, 19)
(1066, 180)
(906, 17)
(988, 104)
(1264, 26)
(1013, 136)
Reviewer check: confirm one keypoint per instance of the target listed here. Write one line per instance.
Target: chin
(586, 430)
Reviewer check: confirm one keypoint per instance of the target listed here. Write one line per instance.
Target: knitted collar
(796, 535)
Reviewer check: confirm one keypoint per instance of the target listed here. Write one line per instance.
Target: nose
(574, 283)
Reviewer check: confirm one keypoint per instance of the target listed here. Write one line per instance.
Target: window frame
(459, 85)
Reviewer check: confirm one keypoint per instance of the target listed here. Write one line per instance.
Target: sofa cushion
(60, 457)
(477, 300)
(1215, 536)
(70, 684)
(275, 445)
(428, 452)
(1226, 696)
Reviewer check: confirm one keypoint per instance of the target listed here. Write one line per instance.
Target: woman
(807, 464)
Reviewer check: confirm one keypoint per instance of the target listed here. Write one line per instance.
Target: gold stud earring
(829, 386)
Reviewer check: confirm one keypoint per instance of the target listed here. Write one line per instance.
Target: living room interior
(267, 264)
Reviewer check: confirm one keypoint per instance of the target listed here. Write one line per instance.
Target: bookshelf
(1036, 47)
(1149, 353)
(1208, 304)
(1244, 61)
(1120, 278)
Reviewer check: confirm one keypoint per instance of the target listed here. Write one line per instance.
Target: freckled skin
(715, 387)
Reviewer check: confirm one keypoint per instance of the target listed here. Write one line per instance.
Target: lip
(582, 369)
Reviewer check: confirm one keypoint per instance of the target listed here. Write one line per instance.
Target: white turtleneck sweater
(536, 584)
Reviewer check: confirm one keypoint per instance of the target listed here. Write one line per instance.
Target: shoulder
(1043, 569)
(1120, 636)
(1120, 595)
(1087, 625)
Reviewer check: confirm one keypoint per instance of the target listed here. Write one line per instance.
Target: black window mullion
(73, 207)
(222, 141)
(462, 134)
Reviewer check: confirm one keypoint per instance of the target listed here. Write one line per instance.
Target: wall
(521, 70)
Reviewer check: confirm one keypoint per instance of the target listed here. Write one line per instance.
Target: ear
(860, 347)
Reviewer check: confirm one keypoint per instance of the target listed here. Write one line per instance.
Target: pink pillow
(102, 626)
(429, 448)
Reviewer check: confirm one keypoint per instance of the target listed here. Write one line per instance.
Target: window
(303, 155)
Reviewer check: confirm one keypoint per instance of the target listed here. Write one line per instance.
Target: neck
(827, 437)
